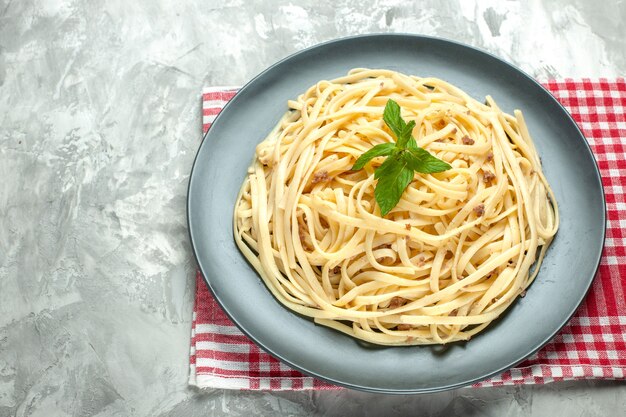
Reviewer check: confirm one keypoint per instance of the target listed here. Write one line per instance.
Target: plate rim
(596, 256)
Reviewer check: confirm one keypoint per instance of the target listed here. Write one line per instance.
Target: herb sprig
(404, 158)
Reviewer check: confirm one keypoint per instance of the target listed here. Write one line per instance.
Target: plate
(565, 275)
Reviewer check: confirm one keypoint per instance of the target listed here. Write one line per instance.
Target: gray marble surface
(99, 123)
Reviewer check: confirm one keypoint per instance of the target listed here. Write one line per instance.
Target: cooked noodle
(451, 257)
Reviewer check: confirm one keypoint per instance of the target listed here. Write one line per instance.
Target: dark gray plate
(563, 281)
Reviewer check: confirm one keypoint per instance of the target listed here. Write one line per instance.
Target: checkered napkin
(591, 345)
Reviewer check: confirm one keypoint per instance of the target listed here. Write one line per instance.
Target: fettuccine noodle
(451, 257)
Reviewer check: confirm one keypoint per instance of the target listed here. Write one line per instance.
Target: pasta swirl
(455, 252)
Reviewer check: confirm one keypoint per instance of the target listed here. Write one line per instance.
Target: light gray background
(99, 124)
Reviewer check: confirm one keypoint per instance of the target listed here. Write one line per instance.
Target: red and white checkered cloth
(591, 345)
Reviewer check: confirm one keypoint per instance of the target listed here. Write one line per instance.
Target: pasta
(451, 257)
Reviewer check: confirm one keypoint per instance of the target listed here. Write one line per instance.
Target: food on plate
(396, 209)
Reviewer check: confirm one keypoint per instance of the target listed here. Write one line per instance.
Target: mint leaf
(384, 149)
(404, 158)
(420, 160)
(412, 144)
(405, 135)
(392, 184)
(392, 118)
(387, 165)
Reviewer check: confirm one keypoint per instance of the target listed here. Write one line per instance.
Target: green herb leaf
(383, 149)
(406, 135)
(412, 144)
(404, 158)
(421, 160)
(392, 184)
(392, 118)
(387, 165)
